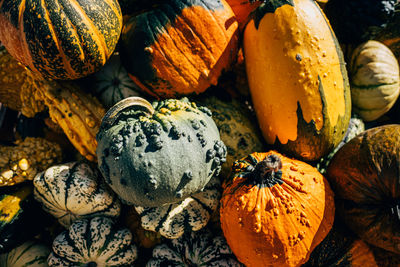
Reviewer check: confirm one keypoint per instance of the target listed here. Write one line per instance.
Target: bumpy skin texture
(364, 174)
(191, 214)
(180, 47)
(74, 191)
(61, 39)
(28, 254)
(152, 160)
(98, 241)
(297, 78)
(29, 157)
(279, 218)
(194, 249)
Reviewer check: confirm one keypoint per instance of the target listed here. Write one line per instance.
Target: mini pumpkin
(27, 158)
(74, 191)
(194, 249)
(180, 47)
(191, 214)
(374, 80)
(29, 254)
(160, 154)
(364, 174)
(297, 78)
(94, 242)
(61, 40)
(275, 210)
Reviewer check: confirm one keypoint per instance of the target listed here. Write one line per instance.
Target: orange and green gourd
(61, 39)
(297, 78)
(275, 210)
(242, 10)
(180, 47)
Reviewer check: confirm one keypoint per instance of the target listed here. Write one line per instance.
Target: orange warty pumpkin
(275, 210)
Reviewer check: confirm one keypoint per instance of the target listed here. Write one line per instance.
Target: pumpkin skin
(242, 10)
(364, 175)
(297, 78)
(74, 191)
(61, 39)
(180, 47)
(374, 80)
(96, 241)
(161, 156)
(194, 249)
(275, 210)
(28, 254)
(191, 214)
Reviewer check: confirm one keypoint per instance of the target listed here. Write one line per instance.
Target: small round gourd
(29, 254)
(275, 210)
(73, 191)
(160, 154)
(191, 214)
(364, 174)
(95, 242)
(374, 80)
(61, 40)
(194, 249)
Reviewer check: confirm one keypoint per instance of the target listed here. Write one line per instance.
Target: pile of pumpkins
(197, 133)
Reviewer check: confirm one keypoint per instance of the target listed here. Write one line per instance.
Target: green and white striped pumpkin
(95, 242)
(28, 254)
(75, 190)
(112, 83)
(191, 214)
(194, 249)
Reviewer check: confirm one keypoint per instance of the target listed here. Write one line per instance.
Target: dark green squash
(61, 39)
(154, 155)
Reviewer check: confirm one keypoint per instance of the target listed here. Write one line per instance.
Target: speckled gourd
(154, 155)
(29, 254)
(27, 158)
(74, 191)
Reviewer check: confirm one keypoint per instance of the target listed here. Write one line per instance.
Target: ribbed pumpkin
(61, 39)
(364, 174)
(297, 78)
(374, 80)
(29, 254)
(243, 9)
(74, 191)
(154, 155)
(275, 210)
(180, 46)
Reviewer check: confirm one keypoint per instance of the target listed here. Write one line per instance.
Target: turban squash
(180, 46)
(275, 210)
(297, 78)
(61, 39)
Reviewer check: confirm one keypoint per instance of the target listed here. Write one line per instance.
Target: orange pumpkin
(242, 10)
(275, 210)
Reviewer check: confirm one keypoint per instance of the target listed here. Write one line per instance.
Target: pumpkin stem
(268, 171)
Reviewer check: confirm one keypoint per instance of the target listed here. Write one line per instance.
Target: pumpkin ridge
(163, 219)
(47, 188)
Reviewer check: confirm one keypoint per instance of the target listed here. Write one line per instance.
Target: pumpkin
(194, 249)
(297, 78)
(341, 248)
(61, 40)
(191, 214)
(237, 128)
(275, 210)
(364, 174)
(242, 10)
(94, 242)
(374, 80)
(112, 83)
(28, 254)
(154, 155)
(73, 191)
(24, 160)
(179, 47)
(386, 258)
(20, 216)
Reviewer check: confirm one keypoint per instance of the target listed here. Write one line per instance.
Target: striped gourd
(61, 39)
(29, 254)
(95, 242)
(194, 249)
(191, 214)
(75, 190)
